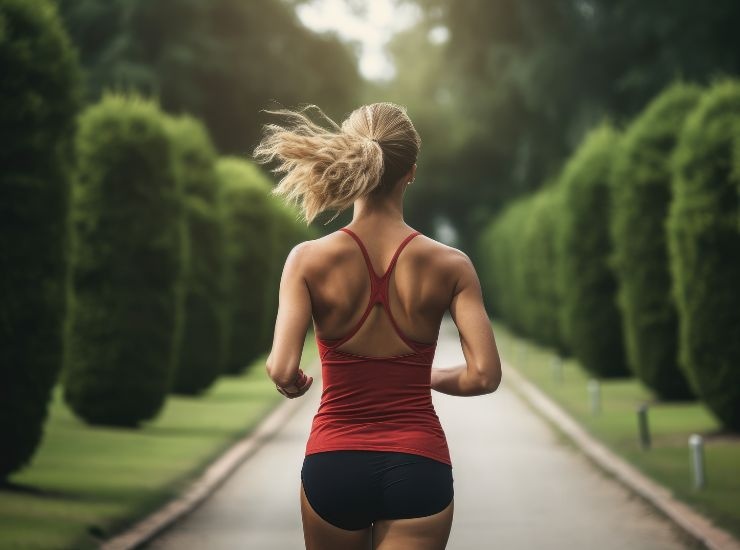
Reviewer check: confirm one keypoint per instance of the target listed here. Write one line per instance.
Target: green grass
(86, 483)
(671, 424)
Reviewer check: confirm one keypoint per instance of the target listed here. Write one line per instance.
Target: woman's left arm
(291, 325)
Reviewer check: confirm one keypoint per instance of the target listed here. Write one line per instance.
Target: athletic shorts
(351, 489)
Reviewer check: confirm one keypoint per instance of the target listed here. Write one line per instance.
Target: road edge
(216, 473)
(689, 520)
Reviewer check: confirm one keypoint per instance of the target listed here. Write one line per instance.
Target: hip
(352, 488)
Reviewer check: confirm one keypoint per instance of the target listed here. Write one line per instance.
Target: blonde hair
(328, 169)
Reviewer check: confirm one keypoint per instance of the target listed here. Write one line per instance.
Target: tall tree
(221, 60)
(529, 77)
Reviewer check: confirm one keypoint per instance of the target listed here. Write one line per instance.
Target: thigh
(338, 500)
(416, 505)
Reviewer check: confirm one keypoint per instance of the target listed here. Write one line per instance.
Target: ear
(410, 175)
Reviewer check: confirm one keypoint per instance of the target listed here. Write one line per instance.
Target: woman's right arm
(481, 373)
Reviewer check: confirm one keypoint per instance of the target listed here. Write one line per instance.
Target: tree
(40, 94)
(126, 217)
(220, 60)
(704, 240)
(641, 193)
(590, 317)
(197, 361)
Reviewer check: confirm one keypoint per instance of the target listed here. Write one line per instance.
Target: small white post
(696, 454)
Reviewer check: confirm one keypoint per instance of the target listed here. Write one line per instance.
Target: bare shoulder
(318, 254)
(446, 254)
(453, 263)
(300, 257)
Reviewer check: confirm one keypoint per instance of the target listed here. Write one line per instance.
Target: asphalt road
(517, 485)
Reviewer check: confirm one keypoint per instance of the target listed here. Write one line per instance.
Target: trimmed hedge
(704, 245)
(500, 248)
(641, 193)
(197, 360)
(590, 317)
(541, 295)
(126, 262)
(518, 266)
(249, 233)
(40, 94)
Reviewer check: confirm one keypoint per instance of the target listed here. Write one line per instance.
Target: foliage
(590, 317)
(512, 91)
(539, 258)
(518, 266)
(197, 362)
(250, 228)
(704, 240)
(110, 478)
(40, 98)
(500, 248)
(126, 262)
(641, 193)
(221, 60)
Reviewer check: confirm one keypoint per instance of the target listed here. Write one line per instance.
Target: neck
(384, 210)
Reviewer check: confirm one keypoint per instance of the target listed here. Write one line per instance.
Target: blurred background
(584, 153)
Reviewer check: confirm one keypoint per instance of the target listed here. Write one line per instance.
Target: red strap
(378, 288)
(367, 256)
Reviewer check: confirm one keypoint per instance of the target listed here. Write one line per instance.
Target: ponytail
(325, 169)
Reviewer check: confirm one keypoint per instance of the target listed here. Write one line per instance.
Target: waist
(375, 391)
(382, 406)
(422, 434)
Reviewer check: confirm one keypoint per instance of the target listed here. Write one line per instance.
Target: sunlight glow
(370, 25)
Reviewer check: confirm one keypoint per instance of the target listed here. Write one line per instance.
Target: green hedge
(250, 228)
(198, 356)
(590, 317)
(518, 266)
(704, 245)
(40, 98)
(541, 295)
(641, 193)
(499, 246)
(126, 262)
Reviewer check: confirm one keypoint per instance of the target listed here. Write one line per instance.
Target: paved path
(517, 486)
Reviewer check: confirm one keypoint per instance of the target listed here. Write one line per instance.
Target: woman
(377, 470)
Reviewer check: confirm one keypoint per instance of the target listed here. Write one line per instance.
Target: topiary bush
(250, 228)
(704, 246)
(126, 262)
(500, 272)
(641, 193)
(40, 92)
(197, 361)
(540, 296)
(590, 318)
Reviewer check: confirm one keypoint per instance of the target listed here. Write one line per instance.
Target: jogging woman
(377, 471)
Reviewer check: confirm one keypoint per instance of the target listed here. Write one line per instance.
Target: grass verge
(671, 423)
(88, 483)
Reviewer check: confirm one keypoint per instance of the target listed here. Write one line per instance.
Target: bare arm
(481, 373)
(291, 324)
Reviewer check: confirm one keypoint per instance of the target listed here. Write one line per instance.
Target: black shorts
(351, 489)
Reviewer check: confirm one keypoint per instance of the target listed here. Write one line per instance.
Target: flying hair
(330, 168)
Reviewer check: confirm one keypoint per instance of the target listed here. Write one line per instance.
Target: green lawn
(86, 482)
(667, 461)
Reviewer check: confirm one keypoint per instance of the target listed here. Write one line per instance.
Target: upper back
(420, 288)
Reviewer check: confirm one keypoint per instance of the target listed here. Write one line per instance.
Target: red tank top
(377, 403)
